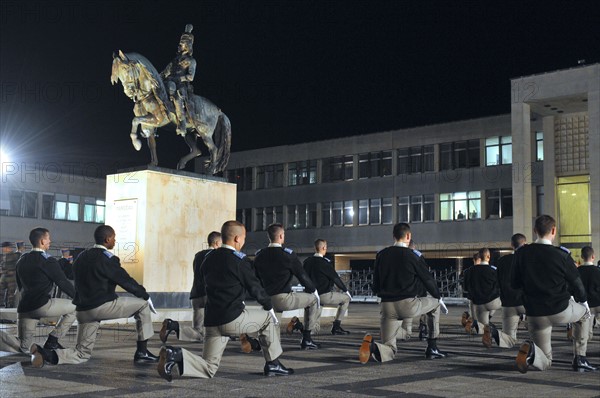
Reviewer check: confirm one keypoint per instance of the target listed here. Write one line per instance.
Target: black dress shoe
(168, 326)
(53, 344)
(294, 324)
(249, 344)
(525, 356)
(434, 353)
(40, 356)
(309, 344)
(337, 329)
(146, 356)
(276, 368)
(580, 364)
(170, 363)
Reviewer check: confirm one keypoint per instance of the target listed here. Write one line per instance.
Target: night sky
(283, 71)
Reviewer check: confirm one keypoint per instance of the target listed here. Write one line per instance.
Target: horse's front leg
(137, 144)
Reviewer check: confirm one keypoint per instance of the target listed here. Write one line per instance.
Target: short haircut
(213, 237)
(36, 235)
(400, 230)
(484, 252)
(273, 230)
(517, 240)
(102, 233)
(587, 253)
(319, 243)
(543, 225)
(476, 256)
(230, 229)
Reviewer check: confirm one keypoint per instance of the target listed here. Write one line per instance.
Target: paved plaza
(471, 370)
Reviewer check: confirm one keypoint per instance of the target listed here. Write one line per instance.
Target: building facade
(70, 205)
(461, 185)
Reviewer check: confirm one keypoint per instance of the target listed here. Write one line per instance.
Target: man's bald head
(230, 230)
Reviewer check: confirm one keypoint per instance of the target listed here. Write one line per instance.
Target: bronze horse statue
(153, 109)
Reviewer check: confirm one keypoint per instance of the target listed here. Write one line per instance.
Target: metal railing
(359, 282)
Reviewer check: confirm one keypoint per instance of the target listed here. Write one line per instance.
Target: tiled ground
(334, 371)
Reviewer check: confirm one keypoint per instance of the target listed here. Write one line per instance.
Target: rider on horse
(178, 77)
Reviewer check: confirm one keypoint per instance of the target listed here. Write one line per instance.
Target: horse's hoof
(137, 144)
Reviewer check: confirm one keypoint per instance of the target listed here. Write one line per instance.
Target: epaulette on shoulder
(326, 259)
(107, 254)
(493, 267)
(239, 254)
(564, 249)
(523, 245)
(417, 253)
(288, 250)
(258, 251)
(45, 255)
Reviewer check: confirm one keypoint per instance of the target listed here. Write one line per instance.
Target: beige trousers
(196, 331)
(540, 329)
(588, 328)
(89, 323)
(394, 313)
(27, 324)
(340, 300)
(297, 300)
(250, 321)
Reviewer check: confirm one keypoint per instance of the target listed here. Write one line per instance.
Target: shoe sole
(522, 364)
(164, 331)
(245, 344)
(486, 339)
(37, 360)
(290, 326)
(468, 326)
(271, 374)
(162, 361)
(364, 353)
(464, 320)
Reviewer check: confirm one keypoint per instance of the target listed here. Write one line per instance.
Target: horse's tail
(222, 139)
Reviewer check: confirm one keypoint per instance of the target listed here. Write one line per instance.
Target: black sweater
(510, 297)
(482, 284)
(321, 272)
(276, 268)
(228, 275)
(97, 272)
(399, 274)
(198, 289)
(590, 276)
(545, 273)
(37, 273)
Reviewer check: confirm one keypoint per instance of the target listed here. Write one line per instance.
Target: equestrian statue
(168, 97)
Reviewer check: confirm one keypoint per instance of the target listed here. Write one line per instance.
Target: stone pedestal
(162, 218)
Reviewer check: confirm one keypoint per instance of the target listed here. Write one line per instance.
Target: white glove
(443, 307)
(588, 313)
(349, 295)
(274, 317)
(151, 305)
(316, 293)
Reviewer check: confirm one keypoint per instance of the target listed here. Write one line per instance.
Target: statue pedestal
(162, 218)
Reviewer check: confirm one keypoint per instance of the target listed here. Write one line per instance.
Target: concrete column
(550, 205)
(521, 151)
(594, 159)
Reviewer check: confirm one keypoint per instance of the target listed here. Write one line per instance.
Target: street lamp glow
(3, 157)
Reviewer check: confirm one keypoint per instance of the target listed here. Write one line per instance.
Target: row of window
(454, 206)
(54, 206)
(421, 159)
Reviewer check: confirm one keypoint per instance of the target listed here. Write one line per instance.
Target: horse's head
(133, 73)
